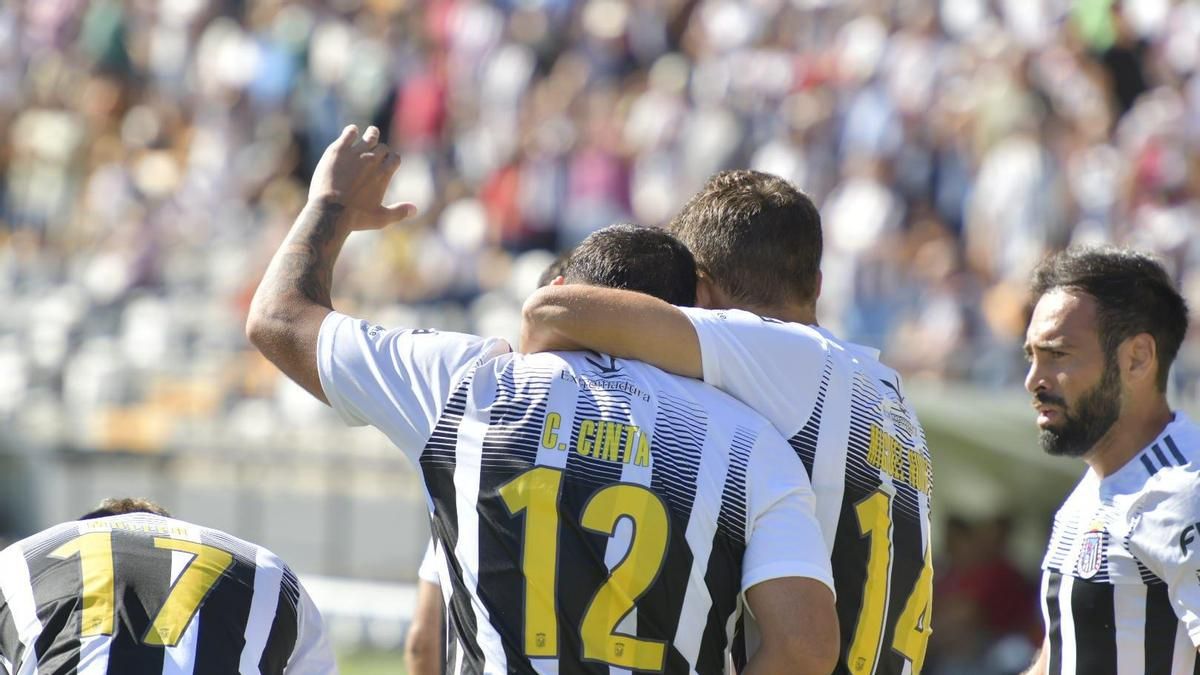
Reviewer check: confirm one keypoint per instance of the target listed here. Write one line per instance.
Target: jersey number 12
(536, 492)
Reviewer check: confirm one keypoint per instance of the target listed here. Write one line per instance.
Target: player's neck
(805, 314)
(1132, 432)
(711, 296)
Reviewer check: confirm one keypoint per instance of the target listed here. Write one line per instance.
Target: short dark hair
(554, 270)
(1133, 294)
(636, 258)
(756, 235)
(117, 506)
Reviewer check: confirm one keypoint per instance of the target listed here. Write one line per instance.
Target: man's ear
(1138, 357)
(705, 293)
(558, 281)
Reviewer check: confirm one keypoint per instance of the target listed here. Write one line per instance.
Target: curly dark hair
(1133, 292)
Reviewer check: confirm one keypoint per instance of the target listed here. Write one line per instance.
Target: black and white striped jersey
(428, 570)
(139, 594)
(593, 515)
(861, 444)
(1121, 576)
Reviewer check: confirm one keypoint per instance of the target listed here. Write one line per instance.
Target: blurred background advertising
(154, 152)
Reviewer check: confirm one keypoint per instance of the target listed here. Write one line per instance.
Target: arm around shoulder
(622, 323)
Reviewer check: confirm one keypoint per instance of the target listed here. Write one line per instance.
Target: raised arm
(293, 297)
(625, 324)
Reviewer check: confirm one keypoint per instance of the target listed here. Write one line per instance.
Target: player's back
(596, 513)
(845, 415)
(144, 594)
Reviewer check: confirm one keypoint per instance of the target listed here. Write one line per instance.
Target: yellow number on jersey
(629, 579)
(912, 627)
(537, 492)
(96, 568)
(874, 521)
(183, 600)
(197, 579)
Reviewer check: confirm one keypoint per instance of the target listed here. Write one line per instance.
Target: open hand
(354, 173)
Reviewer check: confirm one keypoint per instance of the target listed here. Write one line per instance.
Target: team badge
(1091, 553)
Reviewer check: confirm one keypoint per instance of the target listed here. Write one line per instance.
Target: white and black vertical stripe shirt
(846, 416)
(593, 515)
(1121, 576)
(139, 594)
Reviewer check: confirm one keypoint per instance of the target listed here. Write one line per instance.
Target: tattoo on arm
(306, 260)
(295, 295)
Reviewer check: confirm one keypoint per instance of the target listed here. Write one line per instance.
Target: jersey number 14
(912, 627)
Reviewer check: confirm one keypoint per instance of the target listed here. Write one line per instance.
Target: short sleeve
(312, 654)
(783, 535)
(770, 366)
(396, 380)
(1166, 538)
(428, 571)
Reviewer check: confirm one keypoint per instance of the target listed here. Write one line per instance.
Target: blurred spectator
(155, 151)
(987, 621)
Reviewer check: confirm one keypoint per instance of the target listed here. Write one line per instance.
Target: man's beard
(1095, 413)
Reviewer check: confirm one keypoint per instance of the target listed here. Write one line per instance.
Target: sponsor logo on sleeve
(1187, 538)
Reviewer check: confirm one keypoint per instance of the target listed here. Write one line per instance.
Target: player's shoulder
(1170, 497)
(41, 538)
(1173, 459)
(763, 326)
(409, 337)
(652, 384)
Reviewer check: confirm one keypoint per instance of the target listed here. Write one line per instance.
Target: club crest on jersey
(1091, 553)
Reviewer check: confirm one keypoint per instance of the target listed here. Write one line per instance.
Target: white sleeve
(1159, 538)
(783, 538)
(428, 571)
(772, 367)
(312, 654)
(396, 380)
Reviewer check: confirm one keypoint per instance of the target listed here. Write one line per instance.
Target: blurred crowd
(154, 152)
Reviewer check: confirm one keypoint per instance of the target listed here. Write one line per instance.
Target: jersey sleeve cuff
(326, 344)
(782, 570)
(709, 361)
(1194, 634)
